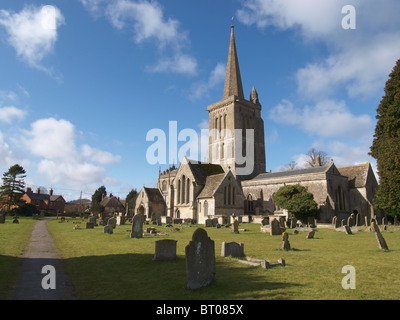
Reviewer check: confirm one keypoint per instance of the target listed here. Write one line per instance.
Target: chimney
(317, 161)
(38, 190)
(51, 192)
(28, 190)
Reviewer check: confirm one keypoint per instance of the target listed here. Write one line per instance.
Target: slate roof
(154, 195)
(38, 196)
(111, 202)
(357, 174)
(212, 183)
(271, 175)
(202, 170)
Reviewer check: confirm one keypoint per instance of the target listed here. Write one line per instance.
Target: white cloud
(145, 19)
(359, 60)
(32, 32)
(54, 141)
(9, 114)
(202, 89)
(98, 156)
(327, 119)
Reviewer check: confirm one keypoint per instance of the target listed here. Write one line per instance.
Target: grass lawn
(13, 240)
(114, 266)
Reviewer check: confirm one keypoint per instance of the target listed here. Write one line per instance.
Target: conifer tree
(13, 186)
(386, 146)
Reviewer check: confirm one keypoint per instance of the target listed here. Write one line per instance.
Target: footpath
(41, 256)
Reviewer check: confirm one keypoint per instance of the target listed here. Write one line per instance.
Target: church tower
(236, 129)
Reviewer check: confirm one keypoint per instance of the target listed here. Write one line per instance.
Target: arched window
(233, 195)
(183, 189)
(225, 195)
(179, 192)
(250, 206)
(205, 208)
(229, 194)
(187, 190)
(164, 186)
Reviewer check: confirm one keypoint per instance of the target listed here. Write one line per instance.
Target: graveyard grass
(114, 266)
(13, 240)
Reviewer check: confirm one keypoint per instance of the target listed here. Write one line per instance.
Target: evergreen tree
(386, 146)
(13, 186)
(297, 201)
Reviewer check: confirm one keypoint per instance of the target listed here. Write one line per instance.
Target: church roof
(111, 202)
(356, 174)
(212, 183)
(202, 170)
(289, 173)
(233, 81)
(154, 195)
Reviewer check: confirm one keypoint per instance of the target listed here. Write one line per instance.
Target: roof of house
(111, 202)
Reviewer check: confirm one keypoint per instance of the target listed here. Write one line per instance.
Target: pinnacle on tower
(233, 80)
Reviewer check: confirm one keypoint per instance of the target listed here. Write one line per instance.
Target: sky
(83, 82)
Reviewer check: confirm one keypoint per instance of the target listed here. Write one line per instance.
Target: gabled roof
(356, 174)
(38, 196)
(289, 173)
(211, 185)
(154, 194)
(111, 202)
(202, 170)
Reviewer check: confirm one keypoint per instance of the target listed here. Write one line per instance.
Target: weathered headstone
(285, 241)
(265, 221)
(137, 226)
(165, 250)
(214, 222)
(89, 225)
(233, 249)
(343, 223)
(381, 241)
(347, 229)
(92, 219)
(275, 228)
(108, 229)
(112, 222)
(282, 222)
(358, 220)
(200, 261)
(15, 220)
(310, 235)
(208, 223)
(235, 226)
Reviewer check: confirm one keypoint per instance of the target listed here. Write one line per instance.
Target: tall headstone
(235, 226)
(165, 250)
(121, 220)
(112, 222)
(200, 261)
(232, 249)
(381, 241)
(275, 228)
(310, 235)
(285, 241)
(347, 229)
(137, 226)
(208, 223)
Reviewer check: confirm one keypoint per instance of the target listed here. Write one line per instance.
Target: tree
(97, 196)
(13, 186)
(26, 209)
(130, 200)
(386, 146)
(292, 165)
(298, 201)
(312, 155)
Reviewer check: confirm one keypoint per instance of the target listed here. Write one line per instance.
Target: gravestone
(347, 229)
(208, 223)
(358, 220)
(233, 249)
(159, 222)
(177, 221)
(310, 235)
(285, 241)
(293, 223)
(381, 241)
(265, 221)
(112, 222)
(275, 228)
(384, 221)
(165, 250)
(137, 226)
(200, 261)
(92, 220)
(15, 220)
(108, 229)
(343, 223)
(282, 222)
(235, 226)
(214, 222)
(89, 225)
(2, 218)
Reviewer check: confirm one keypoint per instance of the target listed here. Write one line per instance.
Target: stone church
(233, 181)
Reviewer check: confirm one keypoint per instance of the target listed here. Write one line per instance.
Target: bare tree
(292, 165)
(317, 158)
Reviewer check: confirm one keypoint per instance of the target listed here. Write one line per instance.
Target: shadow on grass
(138, 277)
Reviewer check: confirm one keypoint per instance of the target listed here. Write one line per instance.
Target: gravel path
(41, 252)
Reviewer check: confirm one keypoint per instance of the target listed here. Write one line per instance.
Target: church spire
(233, 80)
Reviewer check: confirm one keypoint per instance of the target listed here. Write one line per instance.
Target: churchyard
(119, 267)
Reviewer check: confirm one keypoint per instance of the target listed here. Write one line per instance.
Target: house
(51, 203)
(112, 204)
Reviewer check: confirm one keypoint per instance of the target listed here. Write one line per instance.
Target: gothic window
(205, 208)
(183, 189)
(187, 190)
(233, 195)
(229, 193)
(179, 192)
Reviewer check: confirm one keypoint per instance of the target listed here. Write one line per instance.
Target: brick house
(51, 203)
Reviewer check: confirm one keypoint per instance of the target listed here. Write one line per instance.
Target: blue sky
(83, 81)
